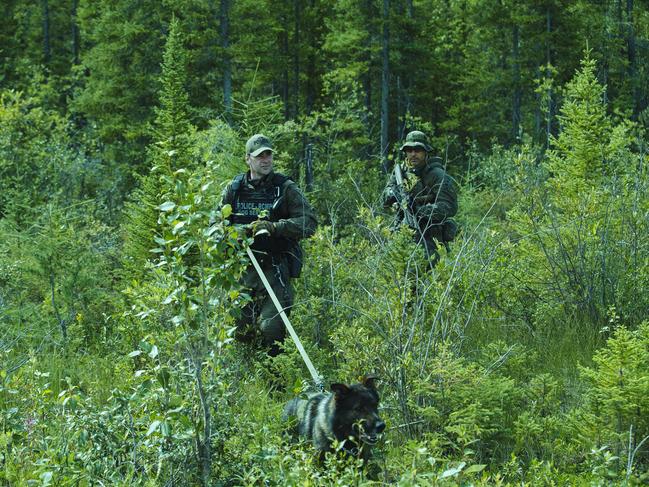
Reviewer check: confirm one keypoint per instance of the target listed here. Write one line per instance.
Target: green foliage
(172, 125)
(34, 157)
(381, 309)
(589, 145)
(140, 225)
(41, 163)
(195, 279)
(618, 392)
(123, 45)
(478, 355)
(351, 27)
(64, 262)
(576, 217)
(174, 131)
(195, 276)
(345, 174)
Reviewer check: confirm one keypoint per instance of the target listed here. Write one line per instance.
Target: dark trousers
(261, 315)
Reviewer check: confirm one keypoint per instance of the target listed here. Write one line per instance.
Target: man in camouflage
(427, 198)
(270, 207)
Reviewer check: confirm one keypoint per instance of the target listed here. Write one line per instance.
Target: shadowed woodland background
(522, 358)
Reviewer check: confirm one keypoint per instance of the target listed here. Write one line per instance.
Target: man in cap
(270, 207)
(426, 199)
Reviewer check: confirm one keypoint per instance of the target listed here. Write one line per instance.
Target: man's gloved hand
(261, 227)
(390, 197)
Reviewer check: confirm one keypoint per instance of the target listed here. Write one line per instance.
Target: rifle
(404, 206)
(402, 200)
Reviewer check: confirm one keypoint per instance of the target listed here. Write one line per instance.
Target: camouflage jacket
(431, 193)
(294, 218)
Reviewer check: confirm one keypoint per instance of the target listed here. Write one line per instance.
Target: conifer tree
(170, 153)
(173, 128)
(352, 47)
(579, 152)
(120, 62)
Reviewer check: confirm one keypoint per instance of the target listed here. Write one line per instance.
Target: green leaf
(46, 478)
(165, 429)
(474, 469)
(135, 353)
(226, 211)
(452, 472)
(167, 206)
(153, 427)
(70, 402)
(160, 240)
(163, 377)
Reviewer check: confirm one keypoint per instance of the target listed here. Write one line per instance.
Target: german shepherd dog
(348, 414)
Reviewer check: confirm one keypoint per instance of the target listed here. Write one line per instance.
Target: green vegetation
(522, 358)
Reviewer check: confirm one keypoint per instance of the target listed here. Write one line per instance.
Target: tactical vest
(248, 205)
(443, 231)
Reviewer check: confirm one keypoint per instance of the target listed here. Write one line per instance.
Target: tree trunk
(311, 66)
(308, 176)
(548, 60)
(516, 75)
(227, 66)
(285, 57)
(538, 115)
(296, 58)
(367, 79)
(404, 81)
(632, 58)
(385, 85)
(203, 446)
(47, 53)
(62, 323)
(75, 33)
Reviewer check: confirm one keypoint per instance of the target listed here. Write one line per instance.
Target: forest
(521, 358)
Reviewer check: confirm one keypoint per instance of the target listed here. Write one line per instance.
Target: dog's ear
(370, 381)
(339, 390)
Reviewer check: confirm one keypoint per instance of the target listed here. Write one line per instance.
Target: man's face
(260, 165)
(415, 156)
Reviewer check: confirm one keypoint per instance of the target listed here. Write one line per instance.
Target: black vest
(247, 206)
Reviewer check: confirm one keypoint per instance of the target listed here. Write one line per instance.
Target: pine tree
(173, 129)
(171, 153)
(579, 152)
(121, 44)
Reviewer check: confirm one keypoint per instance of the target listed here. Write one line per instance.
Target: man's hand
(261, 227)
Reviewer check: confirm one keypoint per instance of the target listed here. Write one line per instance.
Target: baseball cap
(257, 144)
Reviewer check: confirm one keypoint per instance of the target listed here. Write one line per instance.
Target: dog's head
(356, 411)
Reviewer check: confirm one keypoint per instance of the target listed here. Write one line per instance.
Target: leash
(317, 378)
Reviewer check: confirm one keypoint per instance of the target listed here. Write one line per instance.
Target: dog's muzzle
(369, 440)
(373, 438)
